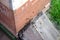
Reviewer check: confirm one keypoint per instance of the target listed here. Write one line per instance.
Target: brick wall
(7, 18)
(16, 19)
(28, 11)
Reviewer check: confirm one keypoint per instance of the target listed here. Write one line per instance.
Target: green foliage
(55, 12)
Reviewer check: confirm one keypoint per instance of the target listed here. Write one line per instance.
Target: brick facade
(16, 19)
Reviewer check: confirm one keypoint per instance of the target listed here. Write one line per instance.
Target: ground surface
(3, 36)
(31, 34)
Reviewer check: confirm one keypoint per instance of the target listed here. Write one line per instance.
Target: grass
(55, 12)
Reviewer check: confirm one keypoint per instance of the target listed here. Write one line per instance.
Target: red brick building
(15, 14)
